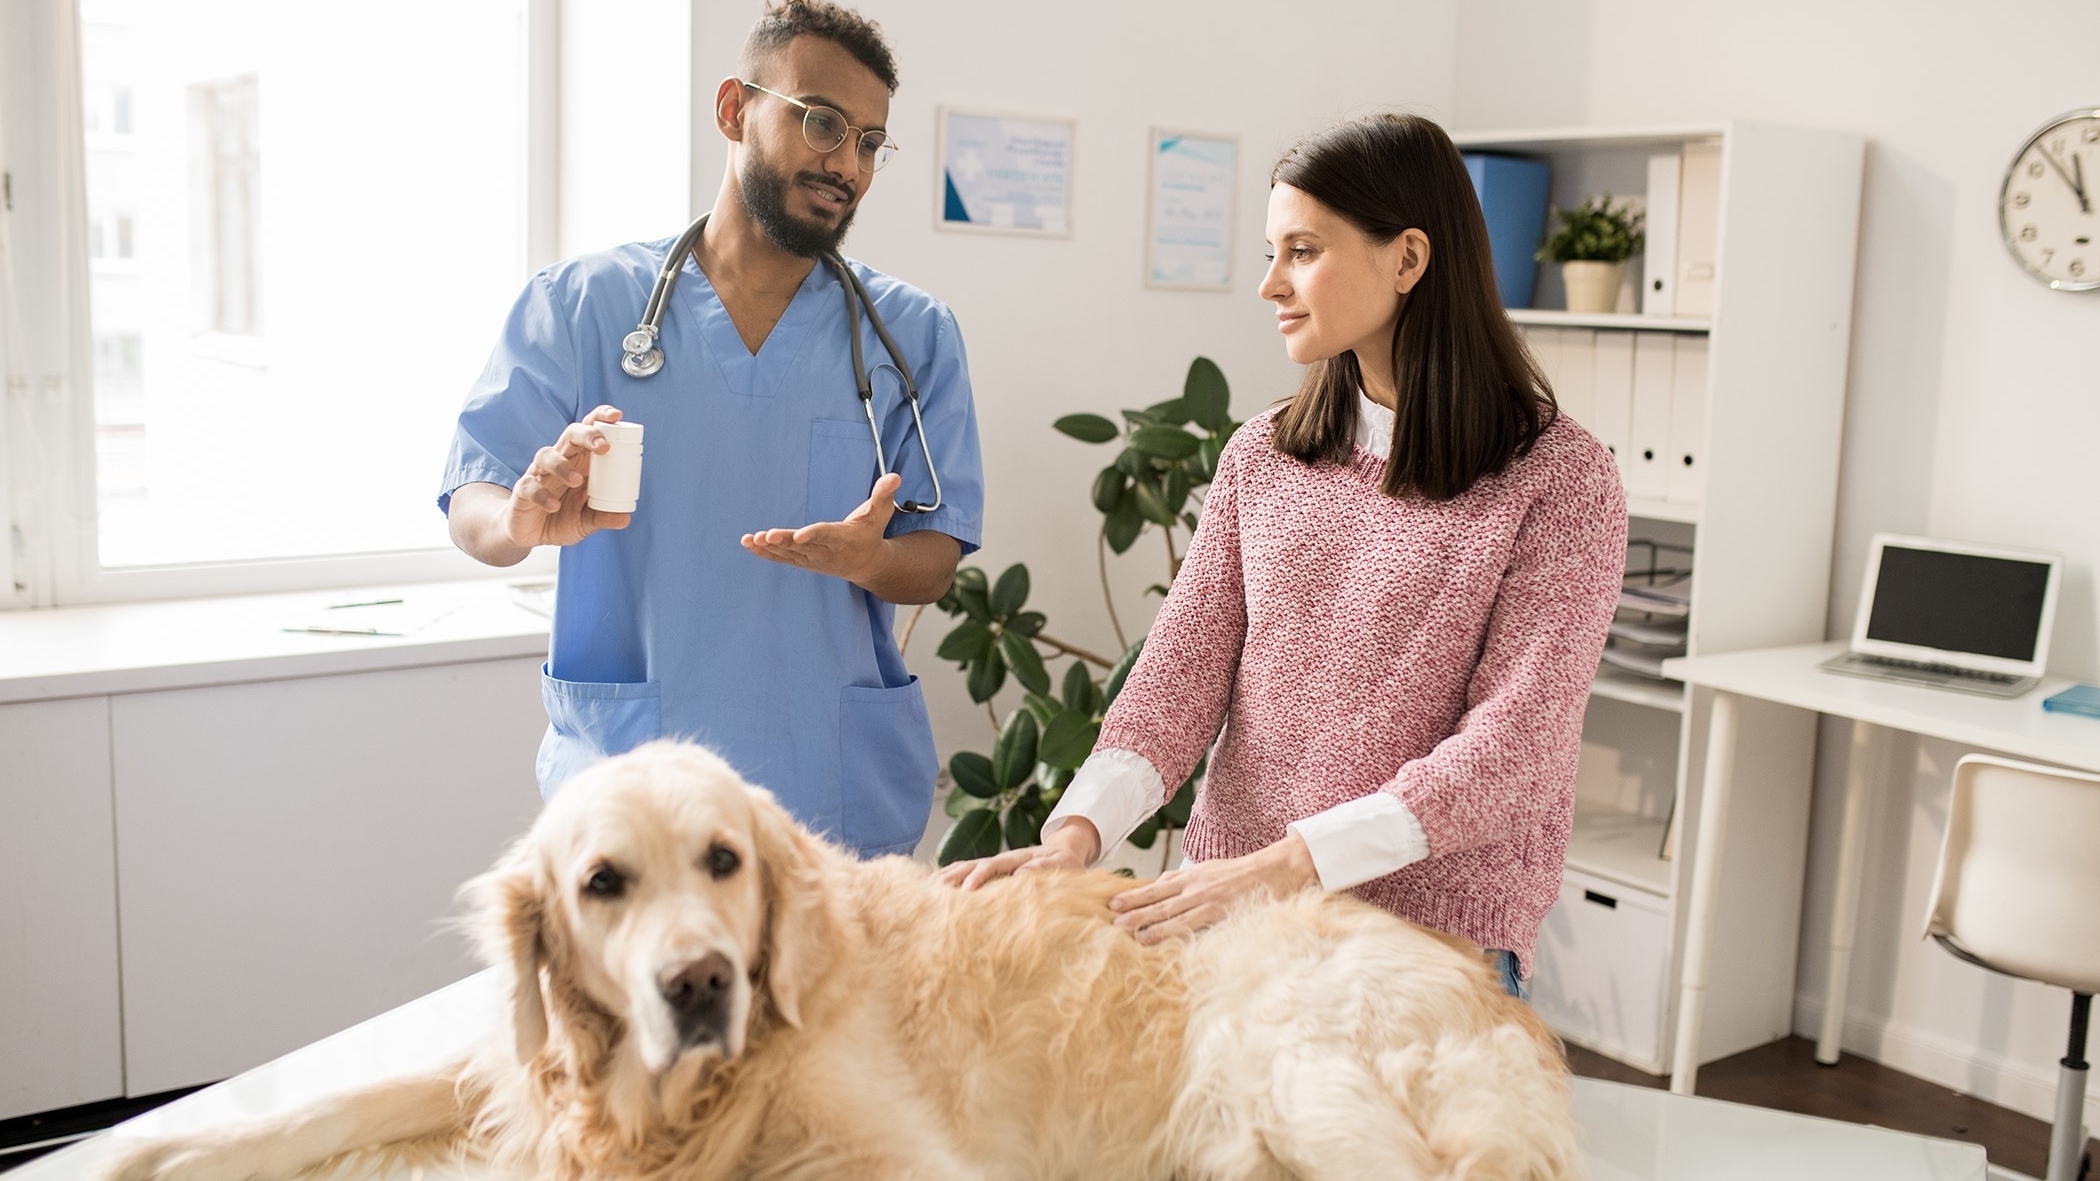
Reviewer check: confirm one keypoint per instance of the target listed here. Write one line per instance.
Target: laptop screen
(1958, 602)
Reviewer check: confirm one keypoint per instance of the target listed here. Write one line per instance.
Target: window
(323, 224)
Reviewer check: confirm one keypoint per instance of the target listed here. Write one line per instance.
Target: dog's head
(662, 897)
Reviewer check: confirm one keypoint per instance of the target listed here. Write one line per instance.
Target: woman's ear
(1413, 259)
(800, 924)
(509, 920)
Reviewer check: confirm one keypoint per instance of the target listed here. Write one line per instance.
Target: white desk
(1631, 1133)
(1789, 676)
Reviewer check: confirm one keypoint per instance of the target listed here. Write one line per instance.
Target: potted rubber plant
(1592, 244)
(1168, 454)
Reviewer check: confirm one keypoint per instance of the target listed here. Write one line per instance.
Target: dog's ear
(509, 920)
(801, 923)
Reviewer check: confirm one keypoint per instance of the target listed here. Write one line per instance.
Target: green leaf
(1121, 671)
(1189, 519)
(1013, 755)
(1207, 453)
(1132, 463)
(972, 773)
(1164, 442)
(1069, 739)
(1011, 591)
(987, 675)
(960, 802)
(1209, 399)
(1177, 494)
(1152, 502)
(1173, 411)
(1142, 836)
(1024, 821)
(1027, 623)
(1108, 488)
(1078, 689)
(1053, 781)
(975, 835)
(1025, 661)
(971, 577)
(1124, 525)
(1158, 588)
(1087, 428)
(975, 603)
(1044, 708)
(1140, 418)
(966, 643)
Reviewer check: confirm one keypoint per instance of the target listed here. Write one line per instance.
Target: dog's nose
(696, 990)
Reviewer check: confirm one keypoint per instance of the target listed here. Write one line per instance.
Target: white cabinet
(59, 1041)
(1725, 418)
(287, 852)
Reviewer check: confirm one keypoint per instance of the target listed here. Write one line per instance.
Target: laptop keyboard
(1942, 670)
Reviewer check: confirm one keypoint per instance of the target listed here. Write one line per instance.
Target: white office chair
(2016, 893)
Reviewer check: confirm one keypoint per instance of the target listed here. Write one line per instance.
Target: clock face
(2049, 209)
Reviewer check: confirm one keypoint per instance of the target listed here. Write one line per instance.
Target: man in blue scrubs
(747, 602)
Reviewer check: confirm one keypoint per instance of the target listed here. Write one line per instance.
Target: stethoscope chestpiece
(640, 356)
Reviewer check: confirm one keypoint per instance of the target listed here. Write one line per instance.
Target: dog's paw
(173, 1160)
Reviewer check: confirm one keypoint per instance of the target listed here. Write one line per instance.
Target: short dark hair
(849, 30)
(1471, 398)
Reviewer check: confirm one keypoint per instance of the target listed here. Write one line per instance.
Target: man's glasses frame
(872, 150)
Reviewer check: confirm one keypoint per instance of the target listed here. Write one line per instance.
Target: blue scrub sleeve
(950, 414)
(526, 394)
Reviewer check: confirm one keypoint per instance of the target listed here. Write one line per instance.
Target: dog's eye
(722, 860)
(604, 882)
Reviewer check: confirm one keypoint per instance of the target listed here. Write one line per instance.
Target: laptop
(1950, 615)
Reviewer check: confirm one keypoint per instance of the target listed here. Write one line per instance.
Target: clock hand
(2077, 186)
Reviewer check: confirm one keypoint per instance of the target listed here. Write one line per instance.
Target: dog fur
(875, 1024)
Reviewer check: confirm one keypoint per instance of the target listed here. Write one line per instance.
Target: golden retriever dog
(701, 989)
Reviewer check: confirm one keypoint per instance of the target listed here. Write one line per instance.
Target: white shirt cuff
(1368, 837)
(1114, 789)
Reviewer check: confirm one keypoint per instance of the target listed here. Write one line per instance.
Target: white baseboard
(1955, 1065)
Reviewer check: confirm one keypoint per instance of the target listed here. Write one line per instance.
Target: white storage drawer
(1603, 957)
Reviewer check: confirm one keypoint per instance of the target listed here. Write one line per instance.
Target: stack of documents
(1648, 629)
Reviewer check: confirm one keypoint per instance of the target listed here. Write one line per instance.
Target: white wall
(1057, 326)
(1974, 393)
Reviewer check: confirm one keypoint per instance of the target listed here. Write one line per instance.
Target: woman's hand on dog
(1073, 846)
(1203, 892)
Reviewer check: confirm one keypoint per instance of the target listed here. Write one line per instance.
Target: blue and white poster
(1006, 173)
(1190, 244)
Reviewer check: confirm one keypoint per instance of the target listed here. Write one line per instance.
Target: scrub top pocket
(887, 766)
(841, 467)
(593, 720)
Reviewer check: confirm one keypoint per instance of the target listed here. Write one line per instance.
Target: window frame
(49, 545)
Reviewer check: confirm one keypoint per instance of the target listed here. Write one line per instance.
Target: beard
(765, 192)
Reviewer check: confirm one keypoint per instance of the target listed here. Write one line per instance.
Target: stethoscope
(643, 358)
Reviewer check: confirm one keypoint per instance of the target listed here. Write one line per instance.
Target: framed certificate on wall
(1189, 225)
(1007, 174)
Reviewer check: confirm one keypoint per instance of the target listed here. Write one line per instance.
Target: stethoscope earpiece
(641, 357)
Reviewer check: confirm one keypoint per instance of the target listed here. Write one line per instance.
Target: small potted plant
(1592, 245)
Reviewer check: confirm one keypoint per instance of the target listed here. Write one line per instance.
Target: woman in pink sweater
(1395, 600)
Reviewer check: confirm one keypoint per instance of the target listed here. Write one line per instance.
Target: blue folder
(1512, 192)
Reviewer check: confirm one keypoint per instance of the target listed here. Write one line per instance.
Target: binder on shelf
(1686, 478)
(1659, 257)
(1654, 378)
(1698, 228)
(1612, 395)
(1512, 192)
(1576, 385)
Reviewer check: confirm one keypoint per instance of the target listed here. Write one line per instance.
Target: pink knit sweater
(1349, 642)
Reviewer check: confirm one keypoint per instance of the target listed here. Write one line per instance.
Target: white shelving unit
(1760, 530)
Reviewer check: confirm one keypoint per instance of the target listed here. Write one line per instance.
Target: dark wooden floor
(1786, 1076)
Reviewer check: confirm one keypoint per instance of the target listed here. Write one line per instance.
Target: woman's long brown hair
(1471, 399)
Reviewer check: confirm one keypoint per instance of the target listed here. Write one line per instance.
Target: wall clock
(2049, 209)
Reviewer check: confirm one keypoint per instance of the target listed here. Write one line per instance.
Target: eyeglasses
(825, 129)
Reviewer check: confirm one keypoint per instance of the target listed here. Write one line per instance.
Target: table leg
(1703, 902)
(1860, 775)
